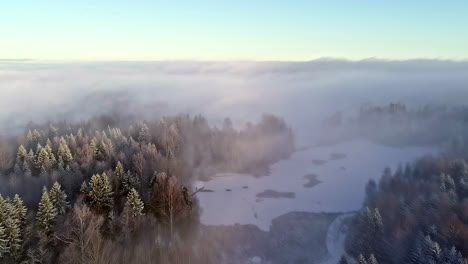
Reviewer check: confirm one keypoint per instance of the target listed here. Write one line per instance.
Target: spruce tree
(19, 210)
(50, 155)
(119, 171)
(13, 236)
(29, 138)
(31, 155)
(99, 150)
(100, 193)
(129, 181)
(3, 242)
(4, 214)
(33, 138)
(134, 204)
(38, 149)
(64, 151)
(42, 158)
(26, 169)
(58, 198)
(84, 189)
(46, 212)
(21, 155)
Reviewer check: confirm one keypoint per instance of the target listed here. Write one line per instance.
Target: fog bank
(301, 92)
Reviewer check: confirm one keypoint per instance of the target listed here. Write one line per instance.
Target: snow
(341, 188)
(336, 239)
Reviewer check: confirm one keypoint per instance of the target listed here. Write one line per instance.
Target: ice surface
(341, 188)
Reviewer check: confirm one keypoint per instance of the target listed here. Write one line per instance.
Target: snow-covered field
(341, 188)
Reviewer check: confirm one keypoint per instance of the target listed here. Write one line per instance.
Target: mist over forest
(51, 90)
(325, 161)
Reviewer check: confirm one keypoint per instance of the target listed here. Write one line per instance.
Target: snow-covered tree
(100, 192)
(134, 204)
(3, 242)
(46, 213)
(13, 236)
(21, 155)
(58, 198)
(19, 210)
(129, 181)
(64, 151)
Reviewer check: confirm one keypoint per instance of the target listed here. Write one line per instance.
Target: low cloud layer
(299, 91)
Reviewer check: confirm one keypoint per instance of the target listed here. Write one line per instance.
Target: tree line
(418, 213)
(82, 192)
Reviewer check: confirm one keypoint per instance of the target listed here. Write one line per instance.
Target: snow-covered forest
(99, 192)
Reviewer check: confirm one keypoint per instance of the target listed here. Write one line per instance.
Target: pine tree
(46, 212)
(64, 151)
(48, 142)
(33, 138)
(58, 198)
(42, 158)
(26, 169)
(31, 155)
(3, 242)
(119, 171)
(99, 150)
(29, 138)
(100, 193)
(129, 181)
(50, 155)
(4, 214)
(84, 188)
(134, 204)
(143, 133)
(21, 155)
(20, 211)
(80, 134)
(13, 236)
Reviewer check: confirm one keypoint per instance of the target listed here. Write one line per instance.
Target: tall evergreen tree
(26, 169)
(100, 193)
(19, 210)
(46, 213)
(64, 151)
(58, 198)
(13, 236)
(3, 242)
(4, 212)
(119, 171)
(129, 181)
(21, 155)
(134, 204)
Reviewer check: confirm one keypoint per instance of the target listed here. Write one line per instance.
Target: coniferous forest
(98, 191)
(419, 212)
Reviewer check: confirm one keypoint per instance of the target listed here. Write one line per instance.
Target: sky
(232, 30)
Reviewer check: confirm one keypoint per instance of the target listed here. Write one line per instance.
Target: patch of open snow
(341, 188)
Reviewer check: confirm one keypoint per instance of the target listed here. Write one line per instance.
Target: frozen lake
(341, 170)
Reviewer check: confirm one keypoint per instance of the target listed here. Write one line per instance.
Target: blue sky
(232, 30)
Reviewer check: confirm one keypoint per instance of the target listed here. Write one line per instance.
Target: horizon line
(366, 59)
